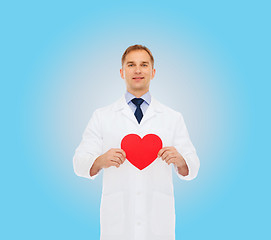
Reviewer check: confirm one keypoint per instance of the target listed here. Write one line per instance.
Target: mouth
(138, 78)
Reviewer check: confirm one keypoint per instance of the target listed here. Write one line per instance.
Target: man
(136, 204)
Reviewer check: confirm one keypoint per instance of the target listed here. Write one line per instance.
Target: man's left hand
(171, 155)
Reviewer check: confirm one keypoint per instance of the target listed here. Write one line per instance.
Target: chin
(138, 88)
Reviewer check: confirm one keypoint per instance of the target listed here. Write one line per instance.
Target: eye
(144, 65)
(130, 65)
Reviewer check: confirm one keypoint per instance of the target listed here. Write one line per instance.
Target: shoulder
(109, 108)
(166, 109)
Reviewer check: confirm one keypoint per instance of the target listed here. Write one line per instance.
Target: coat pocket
(163, 214)
(112, 214)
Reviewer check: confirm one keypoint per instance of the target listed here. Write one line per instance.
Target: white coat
(136, 204)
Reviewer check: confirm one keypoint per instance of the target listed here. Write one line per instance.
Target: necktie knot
(137, 101)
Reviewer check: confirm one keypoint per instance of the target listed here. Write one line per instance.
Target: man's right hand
(113, 157)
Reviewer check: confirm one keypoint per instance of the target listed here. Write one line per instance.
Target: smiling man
(136, 203)
(137, 70)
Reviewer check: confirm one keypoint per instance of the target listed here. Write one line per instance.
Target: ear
(121, 73)
(153, 73)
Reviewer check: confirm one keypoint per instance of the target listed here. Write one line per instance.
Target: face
(137, 71)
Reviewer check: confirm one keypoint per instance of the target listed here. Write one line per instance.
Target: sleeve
(185, 147)
(89, 149)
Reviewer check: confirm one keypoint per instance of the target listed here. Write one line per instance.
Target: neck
(138, 93)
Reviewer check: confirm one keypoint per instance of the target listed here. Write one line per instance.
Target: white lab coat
(136, 204)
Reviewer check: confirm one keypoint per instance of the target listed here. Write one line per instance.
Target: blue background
(60, 61)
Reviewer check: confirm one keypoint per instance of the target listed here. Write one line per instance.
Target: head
(137, 69)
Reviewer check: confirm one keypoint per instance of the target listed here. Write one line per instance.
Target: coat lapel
(150, 113)
(123, 107)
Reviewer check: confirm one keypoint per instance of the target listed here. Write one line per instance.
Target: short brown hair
(137, 47)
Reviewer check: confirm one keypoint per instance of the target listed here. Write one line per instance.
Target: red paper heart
(141, 152)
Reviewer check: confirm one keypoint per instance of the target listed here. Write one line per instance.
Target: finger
(170, 160)
(167, 151)
(120, 156)
(114, 163)
(161, 152)
(119, 150)
(169, 156)
(116, 159)
(164, 149)
(166, 154)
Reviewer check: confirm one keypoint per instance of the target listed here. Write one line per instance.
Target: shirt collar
(146, 97)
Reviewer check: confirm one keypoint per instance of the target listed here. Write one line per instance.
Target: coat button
(138, 193)
(138, 223)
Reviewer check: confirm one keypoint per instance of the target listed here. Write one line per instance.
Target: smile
(137, 78)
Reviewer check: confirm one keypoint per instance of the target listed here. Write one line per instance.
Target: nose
(138, 70)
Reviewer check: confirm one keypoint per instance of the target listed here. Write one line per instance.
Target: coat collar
(154, 108)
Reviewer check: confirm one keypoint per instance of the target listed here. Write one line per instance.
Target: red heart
(141, 152)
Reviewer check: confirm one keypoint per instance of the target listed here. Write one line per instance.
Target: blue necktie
(138, 111)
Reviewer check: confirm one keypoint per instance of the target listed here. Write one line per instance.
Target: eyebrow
(134, 62)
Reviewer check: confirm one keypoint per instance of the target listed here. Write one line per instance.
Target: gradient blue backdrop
(60, 61)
